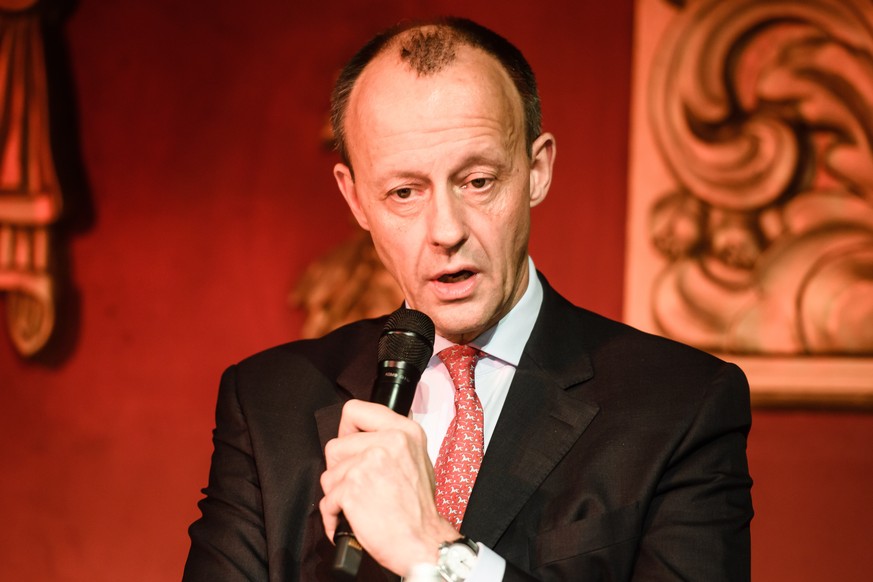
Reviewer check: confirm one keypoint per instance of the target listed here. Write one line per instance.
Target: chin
(454, 328)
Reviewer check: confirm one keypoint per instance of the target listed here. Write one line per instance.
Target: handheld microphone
(405, 347)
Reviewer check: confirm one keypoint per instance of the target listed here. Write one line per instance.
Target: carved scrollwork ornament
(30, 197)
(346, 284)
(763, 112)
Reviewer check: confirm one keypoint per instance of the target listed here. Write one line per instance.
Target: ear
(542, 159)
(346, 183)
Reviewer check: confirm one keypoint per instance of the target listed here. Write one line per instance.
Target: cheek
(509, 228)
(396, 248)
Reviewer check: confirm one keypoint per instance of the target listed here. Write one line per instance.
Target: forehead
(390, 99)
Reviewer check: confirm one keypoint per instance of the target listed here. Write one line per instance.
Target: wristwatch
(456, 559)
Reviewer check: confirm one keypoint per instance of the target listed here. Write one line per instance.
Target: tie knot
(460, 360)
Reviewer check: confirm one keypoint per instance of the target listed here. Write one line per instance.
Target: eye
(402, 193)
(480, 183)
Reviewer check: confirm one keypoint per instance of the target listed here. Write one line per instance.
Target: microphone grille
(408, 337)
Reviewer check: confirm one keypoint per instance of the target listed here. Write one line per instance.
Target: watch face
(456, 561)
(461, 558)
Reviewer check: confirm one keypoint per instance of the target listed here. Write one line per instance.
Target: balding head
(427, 48)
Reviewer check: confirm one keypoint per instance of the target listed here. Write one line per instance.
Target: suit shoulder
(328, 354)
(624, 334)
(654, 375)
(615, 342)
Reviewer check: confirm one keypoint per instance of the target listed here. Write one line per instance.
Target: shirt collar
(506, 340)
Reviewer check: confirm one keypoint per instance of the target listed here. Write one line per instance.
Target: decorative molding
(30, 197)
(751, 213)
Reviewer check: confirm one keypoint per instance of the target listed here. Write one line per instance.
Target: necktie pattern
(462, 448)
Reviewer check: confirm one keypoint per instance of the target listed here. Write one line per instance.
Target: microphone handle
(348, 553)
(395, 388)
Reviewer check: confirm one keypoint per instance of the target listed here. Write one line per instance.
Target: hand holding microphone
(405, 347)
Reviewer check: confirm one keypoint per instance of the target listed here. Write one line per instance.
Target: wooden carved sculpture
(30, 198)
(763, 112)
(347, 284)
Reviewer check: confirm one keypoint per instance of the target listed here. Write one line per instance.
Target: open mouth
(455, 277)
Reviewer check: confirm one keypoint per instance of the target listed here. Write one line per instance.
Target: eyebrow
(479, 159)
(483, 160)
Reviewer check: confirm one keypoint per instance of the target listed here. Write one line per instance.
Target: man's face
(444, 183)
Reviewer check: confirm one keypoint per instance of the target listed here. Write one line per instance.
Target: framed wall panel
(750, 219)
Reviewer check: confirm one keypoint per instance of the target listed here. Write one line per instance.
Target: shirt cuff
(489, 566)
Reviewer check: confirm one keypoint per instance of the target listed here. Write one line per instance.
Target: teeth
(455, 277)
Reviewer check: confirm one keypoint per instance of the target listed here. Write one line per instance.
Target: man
(609, 454)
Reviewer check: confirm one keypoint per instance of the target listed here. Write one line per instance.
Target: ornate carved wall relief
(30, 198)
(751, 216)
(347, 284)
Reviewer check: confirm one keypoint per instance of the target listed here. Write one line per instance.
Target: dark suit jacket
(618, 456)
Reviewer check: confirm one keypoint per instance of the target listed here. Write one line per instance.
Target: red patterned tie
(461, 452)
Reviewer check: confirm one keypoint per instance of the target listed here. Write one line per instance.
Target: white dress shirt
(434, 404)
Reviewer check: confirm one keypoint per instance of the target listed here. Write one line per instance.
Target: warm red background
(210, 192)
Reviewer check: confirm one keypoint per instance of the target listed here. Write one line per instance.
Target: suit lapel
(541, 419)
(356, 381)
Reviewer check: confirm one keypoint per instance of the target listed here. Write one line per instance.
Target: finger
(364, 456)
(362, 463)
(352, 483)
(338, 449)
(361, 416)
(329, 516)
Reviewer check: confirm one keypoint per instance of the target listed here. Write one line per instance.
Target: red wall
(209, 192)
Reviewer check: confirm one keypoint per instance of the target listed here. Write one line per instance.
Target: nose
(447, 226)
